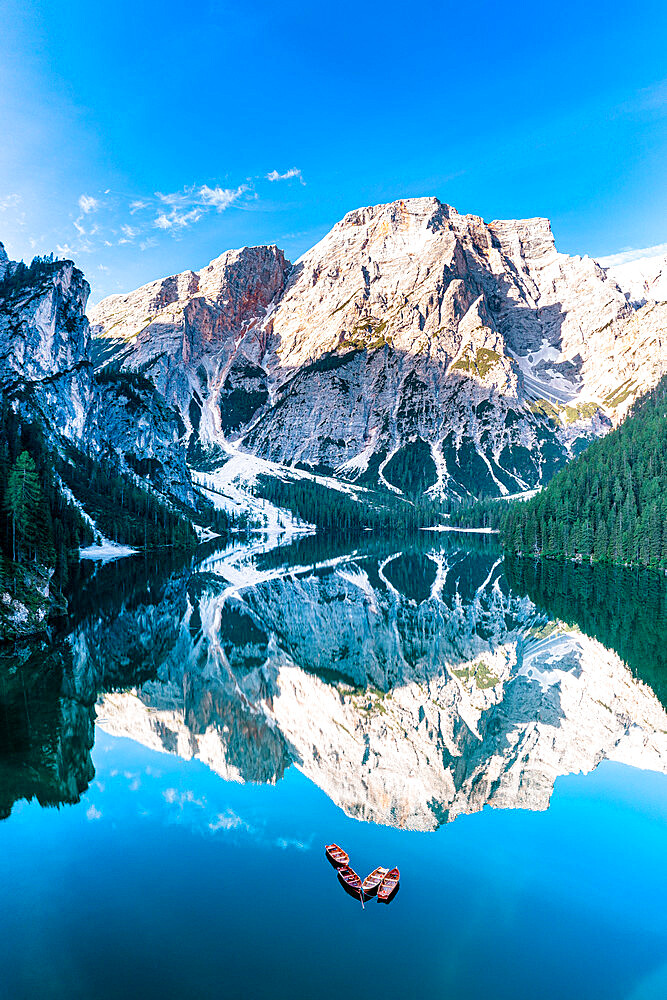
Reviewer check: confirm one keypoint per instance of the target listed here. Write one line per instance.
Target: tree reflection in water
(412, 682)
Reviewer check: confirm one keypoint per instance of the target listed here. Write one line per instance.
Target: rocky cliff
(643, 280)
(46, 371)
(409, 336)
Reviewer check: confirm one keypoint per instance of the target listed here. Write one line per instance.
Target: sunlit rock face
(643, 280)
(409, 336)
(411, 687)
(46, 371)
(196, 335)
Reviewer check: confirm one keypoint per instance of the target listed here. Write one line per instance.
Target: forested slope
(610, 503)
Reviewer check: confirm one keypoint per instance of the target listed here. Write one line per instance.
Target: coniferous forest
(609, 504)
(333, 510)
(41, 529)
(37, 525)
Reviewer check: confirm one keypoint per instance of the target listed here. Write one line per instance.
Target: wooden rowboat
(388, 886)
(336, 855)
(351, 881)
(372, 881)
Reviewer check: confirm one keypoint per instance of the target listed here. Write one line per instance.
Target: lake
(174, 758)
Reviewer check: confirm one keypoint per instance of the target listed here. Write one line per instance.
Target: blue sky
(144, 138)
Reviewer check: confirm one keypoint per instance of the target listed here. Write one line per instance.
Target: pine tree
(601, 542)
(22, 500)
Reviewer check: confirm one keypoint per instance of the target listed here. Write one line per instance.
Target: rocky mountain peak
(4, 261)
(231, 291)
(411, 333)
(524, 239)
(399, 214)
(643, 280)
(245, 280)
(44, 320)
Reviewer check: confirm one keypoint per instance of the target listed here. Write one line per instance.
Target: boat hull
(336, 856)
(351, 885)
(389, 886)
(372, 882)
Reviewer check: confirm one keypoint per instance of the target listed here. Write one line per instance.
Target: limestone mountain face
(184, 334)
(46, 370)
(411, 686)
(410, 336)
(643, 280)
(45, 341)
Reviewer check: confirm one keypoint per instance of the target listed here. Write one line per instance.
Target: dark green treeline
(39, 527)
(609, 504)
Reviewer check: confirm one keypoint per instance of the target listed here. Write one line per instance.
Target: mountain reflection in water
(411, 682)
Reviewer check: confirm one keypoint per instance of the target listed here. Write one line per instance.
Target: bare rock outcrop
(407, 323)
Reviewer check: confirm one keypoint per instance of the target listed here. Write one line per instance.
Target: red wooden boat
(351, 881)
(389, 885)
(372, 881)
(336, 855)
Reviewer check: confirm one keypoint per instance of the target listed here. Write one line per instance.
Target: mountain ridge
(406, 321)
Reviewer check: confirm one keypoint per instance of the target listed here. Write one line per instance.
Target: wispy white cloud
(176, 199)
(69, 252)
(631, 254)
(291, 844)
(9, 201)
(88, 204)
(184, 208)
(176, 219)
(181, 799)
(163, 222)
(92, 813)
(221, 198)
(288, 175)
(649, 99)
(141, 220)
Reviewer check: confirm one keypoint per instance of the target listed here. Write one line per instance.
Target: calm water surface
(173, 762)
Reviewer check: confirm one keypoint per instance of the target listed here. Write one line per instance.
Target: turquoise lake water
(198, 737)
